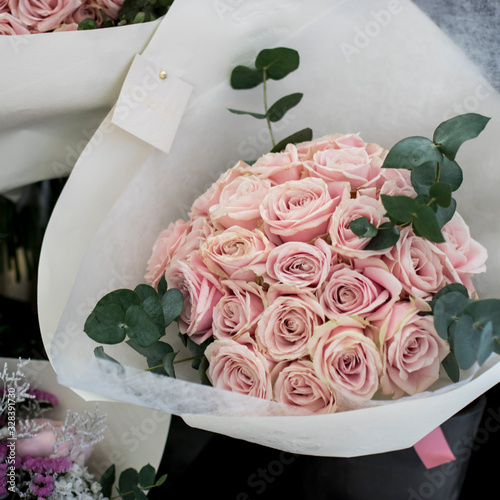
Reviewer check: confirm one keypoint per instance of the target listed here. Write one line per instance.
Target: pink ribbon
(434, 450)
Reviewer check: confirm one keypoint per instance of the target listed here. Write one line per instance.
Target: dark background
(200, 463)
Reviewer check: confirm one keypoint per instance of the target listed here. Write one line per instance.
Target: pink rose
(344, 357)
(419, 265)
(201, 229)
(43, 15)
(412, 351)
(201, 292)
(110, 7)
(4, 6)
(164, 248)
(238, 368)
(300, 264)
(280, 167)
(295, 383)
(297, 210)
(352, 165)
(306, 150)
(43, 444)
(288, 322)
(236, 253)
(239, 309)
(88, 10)
(239, 203)
(344, 241)
(396, 181)
(467, 256)
(9, 25)
(368, 290)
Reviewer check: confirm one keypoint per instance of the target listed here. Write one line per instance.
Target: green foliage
(471, 327)
(273, 64)
(435, 175)
(141, 316)
(88, 24)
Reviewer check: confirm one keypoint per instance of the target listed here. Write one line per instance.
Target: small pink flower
(300, 264)
(288, 322)
(344, 357)
(412, 350)
(295, 383)
(297, 210)
(238, 367)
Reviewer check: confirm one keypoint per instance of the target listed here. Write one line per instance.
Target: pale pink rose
(412, 351)
(43, 443)
(168, 241)
(239, 309)
(300, 264)
(110, 7)
(43, 15)
(238, 368)
(200, 206)
(295, 383)
(4, 6)
(467, 256)
(419, 265)
(280, 167)
(306, 150)
(368, 290)
(344, 357)
(201, 229)
(236, 253)
(201, 292)
(239, 203)
(297, 210)
(398, 182)
(288, 322)
(352, 165)
(88, 10)
(9, 25)
(344, 241)
(67, 27)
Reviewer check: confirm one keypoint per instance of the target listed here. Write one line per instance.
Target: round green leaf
(447, 309)
(386, 237)
(465, 341)
(172, 303)
(441, 192)
(486, 343)
(425, 224)
(105, 324)
(162, 286)
(363, 228)
(303, 135)
(484, 311)
(425, 175)
(107, 481)
(140, 327)
(402, 209)
(245, 78)
(278, 62)
(147, 476)
(412, 152)
(281, 106)
(129, 479)
(452, 133)
(122, 297)
(445, 214)
(152, 306)
(451, 367)
(452, 287)
(144, 291)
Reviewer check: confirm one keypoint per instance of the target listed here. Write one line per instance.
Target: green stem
(174, 362)
(264, 81)
(121, 495)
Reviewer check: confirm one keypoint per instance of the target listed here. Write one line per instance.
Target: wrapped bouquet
(329, 281)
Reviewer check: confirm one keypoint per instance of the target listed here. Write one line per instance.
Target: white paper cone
(377, 68)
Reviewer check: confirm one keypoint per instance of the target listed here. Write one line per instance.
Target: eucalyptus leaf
(144, 291)
(172, 303)
(154, 354)
(386, 237)
(412, 152)
(452, 287)
(447, 309)
(465, 341)
(484, 311)
(445, 214)
(168, 364)
(452, 133)
(425, 175)
(259, 116)
(153, 307)
(243, 77)
(441, 192)
(107, 481)
(140, 327)
(363, 228)
(147, 476)
(129, 479)
(87, 24)
(139, 494)
(400, 208)
(281, 106)
(162, 287)
(106, 324)
(303, 135)
(161, 480)
(486, 344)
(451, 367)
(122, 297)
(426, 224)
(278, 62)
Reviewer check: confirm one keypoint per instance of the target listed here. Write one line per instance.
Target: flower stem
(264, 81)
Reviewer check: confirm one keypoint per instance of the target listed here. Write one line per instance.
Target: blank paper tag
(149, 106)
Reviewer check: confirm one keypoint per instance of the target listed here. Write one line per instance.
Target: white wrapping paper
(133, 437)
(376, 67)
(55, 89)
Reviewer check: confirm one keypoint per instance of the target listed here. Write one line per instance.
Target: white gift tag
(151, 103)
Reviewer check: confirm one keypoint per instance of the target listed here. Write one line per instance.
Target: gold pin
(163, 74)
